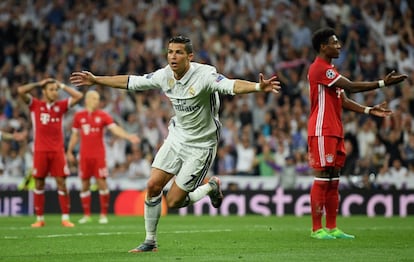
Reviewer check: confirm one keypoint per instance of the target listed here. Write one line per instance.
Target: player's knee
(153, 188)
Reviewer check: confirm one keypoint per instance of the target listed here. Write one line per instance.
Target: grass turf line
(204, 238)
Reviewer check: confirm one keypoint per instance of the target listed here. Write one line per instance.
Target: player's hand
(394, 78)
(46, 81)
(71, 158)
(134, 139)
(381, 110)
(269, 85)
(83, 78)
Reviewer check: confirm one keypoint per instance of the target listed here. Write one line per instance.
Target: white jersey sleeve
(152, 80)
(216, 82)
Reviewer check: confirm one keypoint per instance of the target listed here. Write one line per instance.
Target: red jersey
(47, 122)
(91, 128)
(325, 99)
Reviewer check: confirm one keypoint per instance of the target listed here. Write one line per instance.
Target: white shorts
(189, 164)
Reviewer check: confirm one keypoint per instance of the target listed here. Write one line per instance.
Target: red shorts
(49, 162)
(92, 167)
(326, 151)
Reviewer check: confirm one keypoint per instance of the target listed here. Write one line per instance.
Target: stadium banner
(276, 202)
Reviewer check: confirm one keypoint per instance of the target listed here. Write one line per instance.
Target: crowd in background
(262, 134)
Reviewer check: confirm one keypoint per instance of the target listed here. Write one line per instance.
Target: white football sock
(152, 213)
(199, 193)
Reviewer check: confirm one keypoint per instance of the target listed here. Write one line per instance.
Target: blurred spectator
(265, 161)
(139, 164)
(245, 156)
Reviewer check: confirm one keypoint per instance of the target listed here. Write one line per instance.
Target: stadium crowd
(262, 135)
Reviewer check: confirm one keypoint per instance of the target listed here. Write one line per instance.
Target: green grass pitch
(205, 238)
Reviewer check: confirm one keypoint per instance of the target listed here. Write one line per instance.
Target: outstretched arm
(379, 110)
(265, 85)
(120, 132)
(18, 136)
(359, 86)
(86, 78)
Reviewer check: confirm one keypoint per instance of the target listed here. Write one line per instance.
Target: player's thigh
(167, 158)
(196, 164)
(93, 167)
(340, 154)
(40, 164)
(323, 151)
(58, 165)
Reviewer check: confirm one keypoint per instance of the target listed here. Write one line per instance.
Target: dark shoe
(145, 247)
(216, 196)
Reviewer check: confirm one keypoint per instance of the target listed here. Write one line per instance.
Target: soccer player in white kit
(190, 147)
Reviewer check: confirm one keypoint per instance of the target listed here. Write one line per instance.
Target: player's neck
(49, 102)
(324, 57)
(179, 75)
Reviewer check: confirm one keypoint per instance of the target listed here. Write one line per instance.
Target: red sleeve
(327, 75)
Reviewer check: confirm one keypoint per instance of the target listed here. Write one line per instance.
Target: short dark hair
(182, 40)
(321, 36)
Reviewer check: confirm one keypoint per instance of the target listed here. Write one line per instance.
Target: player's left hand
(394, 78)
(269, 85)
(381, 110)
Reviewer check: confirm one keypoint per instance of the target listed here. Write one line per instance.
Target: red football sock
(332, 204)
(86, 202)
(104, 201)
(318, 201)
(64, 202)
(39, 202)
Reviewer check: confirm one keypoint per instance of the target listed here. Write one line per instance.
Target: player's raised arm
(75, 95)
(85, 78)
(24, 90)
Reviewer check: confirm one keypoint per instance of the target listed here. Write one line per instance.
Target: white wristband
(381, 83)
(61, 86)
(367, 110)
(257, 87)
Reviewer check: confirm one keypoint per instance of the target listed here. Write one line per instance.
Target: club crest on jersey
(329, 158)
(170, 83)
(191, 91)
(98, 119)
(330, 74)
(56, 109)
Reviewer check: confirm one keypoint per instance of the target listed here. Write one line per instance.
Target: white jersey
(195, 101)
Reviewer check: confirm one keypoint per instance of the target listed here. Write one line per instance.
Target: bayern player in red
(325, 130)
(88, 127)
(48, 149)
